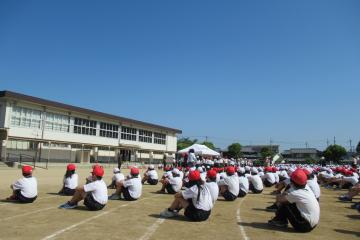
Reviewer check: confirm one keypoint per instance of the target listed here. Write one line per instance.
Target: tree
(184, 143)
(266, 152)
(358, 148)
(234, 150)
(209, 144)
(334, 153)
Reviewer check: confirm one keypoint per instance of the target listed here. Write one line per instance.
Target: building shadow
(265, 226)
(347, 232)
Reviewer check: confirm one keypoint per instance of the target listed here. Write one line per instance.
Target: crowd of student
(196, 188)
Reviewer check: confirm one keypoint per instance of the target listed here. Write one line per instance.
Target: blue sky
(242, 71)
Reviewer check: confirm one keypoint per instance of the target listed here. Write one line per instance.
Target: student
(269, 177)
(312, 183)
(118, 177)
(196, 200)
(24, 189)
(70, 181)
(255, 183)
(94, 193)
(172, 182)
(131, 188)
(243, 182)
(355, 190)
(212, 185)
(229, 186)
(298, 206)
(150, 176)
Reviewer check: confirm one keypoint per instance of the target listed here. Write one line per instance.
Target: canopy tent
(200, 150)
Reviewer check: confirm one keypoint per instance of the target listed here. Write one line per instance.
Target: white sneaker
(168, 214)
(115, 197)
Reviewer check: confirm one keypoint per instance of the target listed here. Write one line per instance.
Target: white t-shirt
(28, 186)
(232, 182)
(306, 203)
(244, 184)
(134, 186)
(214, 190)
(270, 177)
(152, 174)
(118, 177)
(203, 176)
(205, 201)
(98, 190)
(314, 186)
(276, 175)
(176, 183)
(352, 179)
(256, 181)
(71, 182)
(192, 157)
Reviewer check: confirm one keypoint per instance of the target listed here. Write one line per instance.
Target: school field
(243, 219)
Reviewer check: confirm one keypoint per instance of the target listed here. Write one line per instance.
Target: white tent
(200, 150)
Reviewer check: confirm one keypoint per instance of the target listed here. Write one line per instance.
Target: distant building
(254, 151)
(298, 155)
(52, 131)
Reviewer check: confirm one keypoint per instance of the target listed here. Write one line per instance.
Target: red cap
(268, 169)
(134, 171)
(230, 170)
(299, 177)
(274, 169)
(71, 167)
(306, 171)
(194, 176)
(348, 172)
(27, 169)
(211, 174)
(98, 171)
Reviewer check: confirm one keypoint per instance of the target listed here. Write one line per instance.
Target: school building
(44, 130)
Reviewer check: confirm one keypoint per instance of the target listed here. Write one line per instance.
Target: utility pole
(350, 145)
(306, 144)
(327, 142)
(206, 138)
(334, 140)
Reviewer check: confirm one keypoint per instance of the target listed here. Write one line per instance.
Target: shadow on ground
(178, 218)
(357, 217)
(263, 225)
(348, 232)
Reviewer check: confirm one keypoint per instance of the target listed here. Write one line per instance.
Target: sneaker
(168, 214)
(272, 208)
(114, 197)
(355, 205)
(277, 223)
(345, 198)
(68, 206)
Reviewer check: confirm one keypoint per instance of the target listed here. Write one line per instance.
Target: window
(84, 126)
(145, 136)
(128, 133)
(109, 130)
(25, 117)
(159, 138)
(57, 122)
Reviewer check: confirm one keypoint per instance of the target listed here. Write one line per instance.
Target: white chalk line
(152, 229)
(88, 220)
(242, 230)
(28, 213)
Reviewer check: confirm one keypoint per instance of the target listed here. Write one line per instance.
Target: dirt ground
(243, 219)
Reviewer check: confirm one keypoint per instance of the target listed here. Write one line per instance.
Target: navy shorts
(170, 189)
(194, 214)
(20, 198)
(229, 196)
(152, 181)
(92, 204)
(127, 196)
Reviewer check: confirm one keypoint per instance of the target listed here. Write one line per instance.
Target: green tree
(209, 144)
(334, 153)
(358, 148)
(234, 150)
(184, 143)
(266, 152)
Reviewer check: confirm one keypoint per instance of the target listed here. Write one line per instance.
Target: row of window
(30, 118)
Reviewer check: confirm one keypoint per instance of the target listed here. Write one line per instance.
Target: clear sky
(246, 71)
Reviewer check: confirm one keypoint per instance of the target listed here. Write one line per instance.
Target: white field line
(7, 203)
(152, 229)
(55, 234)
(242, 230)
(28, 213)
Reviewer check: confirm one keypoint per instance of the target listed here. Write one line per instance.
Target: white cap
(200, 169)
(240, 170)
(254, 170)
(176, 171)
(247, 168)
(116, 170)
(151, 166)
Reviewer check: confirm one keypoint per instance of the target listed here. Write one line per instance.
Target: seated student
(212, 185)
(243, 181)
(229, 186)
(312, 183)
(90, 178)
(172, 182)
(118, 177)
(298, 206)
(150, 176)
(269, 177)
(130, 188)
(355, 190)
(24, 189)
(255, 183)
(196, 200)
(94, 193)
(70, 182)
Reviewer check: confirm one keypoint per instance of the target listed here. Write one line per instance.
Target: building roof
(301, 150)
(40, 101)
